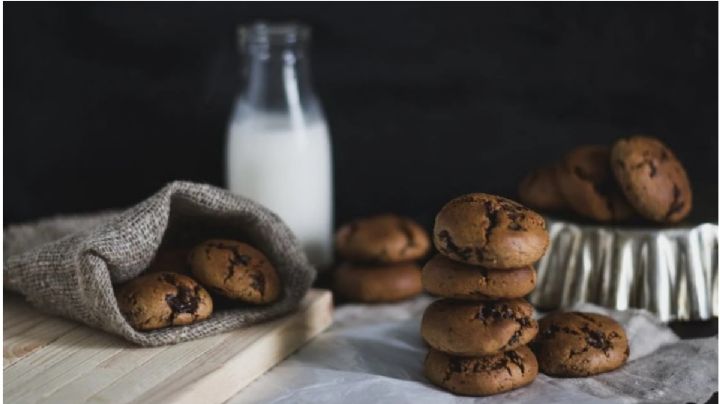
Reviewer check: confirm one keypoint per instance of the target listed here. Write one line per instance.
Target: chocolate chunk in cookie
(382, 239)
(587, 184)
(484, 375)
(580, 344)
(466, 328)
(491, 231)
(652, 178)
(447, 278)
(373, 284)
(539, 190)
(163, 299)
(235, 270)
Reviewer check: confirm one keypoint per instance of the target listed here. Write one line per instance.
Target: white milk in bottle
(278, 149)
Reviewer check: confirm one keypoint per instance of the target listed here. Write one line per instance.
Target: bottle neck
(278, 77)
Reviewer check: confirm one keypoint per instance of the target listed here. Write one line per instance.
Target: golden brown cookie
(235, 270)
(484, 375)
(158, 300)
(382, 239)
(491, 231)
(587, 184)
(467, 328)
(539, 190)
(171, 260)
(580, 344)
(447, 278)
(373, 284)
(652, 178)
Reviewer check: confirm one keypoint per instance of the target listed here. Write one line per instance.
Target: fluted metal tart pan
(672, 272)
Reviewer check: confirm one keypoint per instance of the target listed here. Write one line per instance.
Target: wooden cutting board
(51, 360)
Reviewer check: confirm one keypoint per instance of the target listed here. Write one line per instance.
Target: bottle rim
(262, 32)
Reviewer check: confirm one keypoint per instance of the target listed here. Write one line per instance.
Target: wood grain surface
(47, 359)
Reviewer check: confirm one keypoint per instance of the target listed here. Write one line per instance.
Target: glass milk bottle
(278, 150)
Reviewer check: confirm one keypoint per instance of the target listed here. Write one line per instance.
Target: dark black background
(104, 103)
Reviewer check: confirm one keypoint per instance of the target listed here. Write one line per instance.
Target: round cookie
(467, 328)
(580, 344)
(372, 284)
(447, 278)
(162, 299)
(539, 190)
(586, 182)
(652, 178)
(235, 270)
(490, 231)
(383, 239)
(484, 375)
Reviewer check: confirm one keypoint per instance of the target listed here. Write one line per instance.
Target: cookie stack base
(484, 375)
(479, 347)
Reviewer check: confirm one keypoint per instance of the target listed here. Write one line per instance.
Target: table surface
(375, 352)
(684, 329)
(43, 328)
(50, 359)
(697, 329)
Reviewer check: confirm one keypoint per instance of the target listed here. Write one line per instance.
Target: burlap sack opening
(68, 265)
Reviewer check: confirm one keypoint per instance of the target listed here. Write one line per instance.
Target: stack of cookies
(479, 330)
(378, 256)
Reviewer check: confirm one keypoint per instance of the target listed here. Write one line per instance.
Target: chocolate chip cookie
(373, 284)
(158, 300)
(484, 375)
(490, 231)
(539, 190)
(382, 239)
(447, 278)
(587, 184)
(466, 328)
(235, 270)
(652, 178)
(580, 344)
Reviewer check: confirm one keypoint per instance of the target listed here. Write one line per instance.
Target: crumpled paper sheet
(374, 354)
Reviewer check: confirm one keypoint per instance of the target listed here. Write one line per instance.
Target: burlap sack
(68, 265)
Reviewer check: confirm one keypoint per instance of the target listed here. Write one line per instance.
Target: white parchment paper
(374, 354)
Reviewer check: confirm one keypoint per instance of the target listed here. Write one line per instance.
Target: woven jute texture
(68, 265)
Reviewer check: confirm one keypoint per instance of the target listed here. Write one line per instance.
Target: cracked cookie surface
(444, 277)
(580, 344)
(235, 270)
(490, 231)
(481, 376)
(467, 328)
(373, 284)
(163, 299)
(587, 184)
(539, 190)
(652, 178)
(382, 239)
